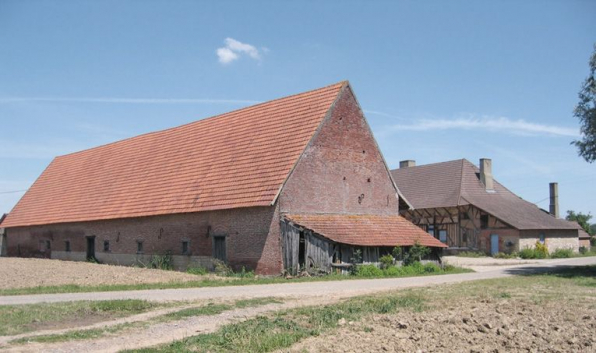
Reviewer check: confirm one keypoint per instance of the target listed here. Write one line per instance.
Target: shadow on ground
(563, 271)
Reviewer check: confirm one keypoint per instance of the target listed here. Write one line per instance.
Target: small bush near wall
(561, 253)
(583, 250)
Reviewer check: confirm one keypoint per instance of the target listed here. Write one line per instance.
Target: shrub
(196, 270)
(561, 253)
(161, 262)
(221, 268)
(431, 268)
(527, 253)
(355, 261)
(593, 240)
(386, 261)
(583, 250)
(398, 253)
(502, 255)
(243, 273)
(416, 253)
(368, 271)
(471, 254)
(541, 250)
(393, 271)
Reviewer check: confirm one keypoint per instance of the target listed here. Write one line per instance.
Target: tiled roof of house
(366, 230)
(457, 183)
(583, 234)
(237, 159)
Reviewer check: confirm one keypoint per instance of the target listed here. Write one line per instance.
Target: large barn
(294, 182)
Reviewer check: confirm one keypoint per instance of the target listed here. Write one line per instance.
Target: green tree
(585, 111)
(582, 219)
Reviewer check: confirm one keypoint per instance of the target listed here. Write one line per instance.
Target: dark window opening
(67, 246)
(301, 251)
(185, 247)
(139, 246)
(542, 238)
(219, 248)
(106, 245)
(465, 215)
(484, 221)
(48, 245)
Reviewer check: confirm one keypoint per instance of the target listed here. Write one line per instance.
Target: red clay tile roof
(237, 159)
(456, 183)
(366, 230)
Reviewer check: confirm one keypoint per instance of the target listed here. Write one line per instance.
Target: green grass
(241, 281)
(471, 254)
(283, 329)
(15, 319)
(207, 310)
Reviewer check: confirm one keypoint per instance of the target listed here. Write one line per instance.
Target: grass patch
(471, 254)
(283, 329)
(15, 319)
(207, 310)
(208, 282)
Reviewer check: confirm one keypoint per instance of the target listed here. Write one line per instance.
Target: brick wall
(247, 241)
(342, 170)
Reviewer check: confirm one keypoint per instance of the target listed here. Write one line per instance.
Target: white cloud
(500, 124)
(234, 48)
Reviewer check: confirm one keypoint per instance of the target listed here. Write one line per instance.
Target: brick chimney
(554, 199)
(407, 164)
(486, 174)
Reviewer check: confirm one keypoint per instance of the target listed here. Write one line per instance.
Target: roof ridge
(209, 118)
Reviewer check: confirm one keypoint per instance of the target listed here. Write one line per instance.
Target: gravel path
(24, 273)
(342, 289)
(163, 332)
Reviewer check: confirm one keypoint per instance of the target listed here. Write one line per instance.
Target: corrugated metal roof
(366, 230)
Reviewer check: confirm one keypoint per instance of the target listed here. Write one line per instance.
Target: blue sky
(437, 80)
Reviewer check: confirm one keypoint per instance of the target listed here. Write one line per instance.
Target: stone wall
(554, 239)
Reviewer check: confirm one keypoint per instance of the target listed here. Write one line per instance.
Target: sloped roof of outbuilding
(457, 183)
(366, 230)
(237, 159)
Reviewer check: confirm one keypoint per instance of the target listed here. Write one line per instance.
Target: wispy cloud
(500, 124)
(114, 100)
(386, 115)
(233, 49)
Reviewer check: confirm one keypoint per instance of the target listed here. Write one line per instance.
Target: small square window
(106, 246)
(67, 246)
(185, 247)
(48, 245)
(139, 246)
(542, 238)
(431, 230)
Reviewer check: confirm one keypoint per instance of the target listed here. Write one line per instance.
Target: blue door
(494, 244)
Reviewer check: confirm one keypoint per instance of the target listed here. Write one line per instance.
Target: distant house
(584, 238)
(465, 208)
(294, 182)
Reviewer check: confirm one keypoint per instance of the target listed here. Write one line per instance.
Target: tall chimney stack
(554, 199)
(486, 174)
(407, 164)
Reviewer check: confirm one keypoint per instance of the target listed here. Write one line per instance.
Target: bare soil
(481, 325)
(25, 273)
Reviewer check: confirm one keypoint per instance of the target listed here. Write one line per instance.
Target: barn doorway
(91, 248)
(219, 248)
(301, 252)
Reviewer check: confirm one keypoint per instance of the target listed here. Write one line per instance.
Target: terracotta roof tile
(366, 230)
(237, 159)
